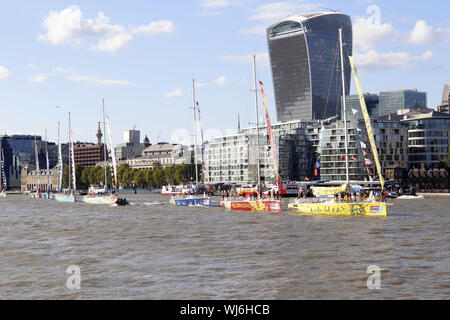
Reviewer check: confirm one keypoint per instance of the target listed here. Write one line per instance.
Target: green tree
(85, 176)
(148, 174)
(124, 167)
(169, 174)
(158, 176)
(139, 178)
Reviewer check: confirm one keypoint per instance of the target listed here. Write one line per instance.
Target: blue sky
(141, 56)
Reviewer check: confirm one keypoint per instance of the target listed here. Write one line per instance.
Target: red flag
(353, 157)
(307, 179)
(316, 172)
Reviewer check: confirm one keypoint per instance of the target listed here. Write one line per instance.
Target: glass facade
(352, 103)
(305, 59)
(428, 141)
(392, 101)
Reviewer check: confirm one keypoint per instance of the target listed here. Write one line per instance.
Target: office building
(132, 136)
(305, 60)
(392, 101)
(353, 106)
(19, 152)
(162, 155)
(234, 158)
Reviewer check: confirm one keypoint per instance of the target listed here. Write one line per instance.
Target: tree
(148, 174)
(158, 176)
(139, 178)
(85, 176)
(124, 167)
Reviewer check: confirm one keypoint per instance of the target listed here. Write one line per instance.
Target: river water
(151, 250)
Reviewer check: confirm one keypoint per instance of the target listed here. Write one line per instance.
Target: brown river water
(151, 250)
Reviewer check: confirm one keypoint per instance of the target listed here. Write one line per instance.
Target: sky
(140, 56)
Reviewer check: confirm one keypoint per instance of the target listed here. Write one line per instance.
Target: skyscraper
(305, 58)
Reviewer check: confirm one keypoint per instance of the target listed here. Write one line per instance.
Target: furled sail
(367, 121)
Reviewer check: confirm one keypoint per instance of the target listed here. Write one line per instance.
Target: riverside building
(304, 55)
(234, 159)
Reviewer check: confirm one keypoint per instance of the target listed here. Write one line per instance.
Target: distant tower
(304, 55)
(99, 135)
(147, 142)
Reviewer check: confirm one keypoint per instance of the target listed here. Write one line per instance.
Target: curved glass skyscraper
(305, 58)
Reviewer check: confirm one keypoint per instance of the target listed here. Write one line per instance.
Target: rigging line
(331, 80)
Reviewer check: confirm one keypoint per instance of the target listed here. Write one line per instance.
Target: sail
(367, 121)
(4, 183)
(113, 154)
(269, 131)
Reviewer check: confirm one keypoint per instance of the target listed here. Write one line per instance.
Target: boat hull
(375, 209)
(66, 198)
(191, 202)
(109, 200)
(262, 205)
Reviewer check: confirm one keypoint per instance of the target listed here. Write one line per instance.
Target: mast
(113, 155)
(347, 175)
(104, 141)
(257, 123)
(74, 177)
(203, 146)
(195, 132)
(70, 157)
(60, 161)
(368, 123)
(38, 170)
(46, 159)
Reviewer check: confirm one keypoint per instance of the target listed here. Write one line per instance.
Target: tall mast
(195, 132)
(60, 161)
(104, 142)
(257, 123)
(347, 175)
(46, 159)
(70, 154)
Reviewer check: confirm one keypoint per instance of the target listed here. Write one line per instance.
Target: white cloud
(423, 34)
(98, 81)
(367, 35)
(62, 70)
(176, 93)
(155, 27)
(272, 12)
(39, 78)
(222, 81)
(4, 73)
(70, 26)
(32, 66)
(375, 60)
(262, 58)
